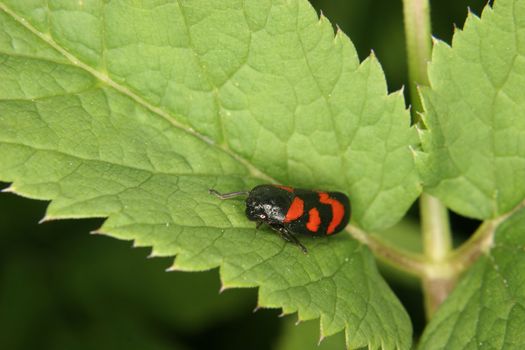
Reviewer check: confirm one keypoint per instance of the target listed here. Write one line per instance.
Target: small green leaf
(133, 112)
(474, 158)
(487, 308)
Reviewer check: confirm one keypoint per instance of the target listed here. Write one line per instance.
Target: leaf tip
(283, 314)
(340, 35)
(422, 126)
(173, 267)
(9, 189)
(419, 90)
(224, 288)
(139, 244)
(472, 17)
(47, 218)
(437, 41)
(413, 151)
(44, 219)
(323, 19)
(400, 94)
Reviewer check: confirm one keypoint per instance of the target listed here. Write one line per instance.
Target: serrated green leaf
(475, 151)
(487, 308)
(133, 112)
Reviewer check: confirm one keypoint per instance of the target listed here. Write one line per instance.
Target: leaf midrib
(254, 171)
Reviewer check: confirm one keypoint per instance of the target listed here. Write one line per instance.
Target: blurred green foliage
(61, 288)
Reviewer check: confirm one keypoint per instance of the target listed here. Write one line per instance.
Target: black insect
(289, 210)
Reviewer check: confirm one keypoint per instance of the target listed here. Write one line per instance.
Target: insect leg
(297, 242)
(228, 195)
(259, 223)
(289, 237)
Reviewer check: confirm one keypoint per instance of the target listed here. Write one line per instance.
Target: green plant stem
(477, 244)
(480, 242)
(437, 245)
(418, 41)
(413, 264)
(434, 216)
(437, 241)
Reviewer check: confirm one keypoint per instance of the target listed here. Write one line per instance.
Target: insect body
(290, 210)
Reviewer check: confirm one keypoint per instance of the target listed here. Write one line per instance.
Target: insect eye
(262, 216)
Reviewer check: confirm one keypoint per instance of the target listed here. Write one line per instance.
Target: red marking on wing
(313, 220)
(286, 188)
(338, 211)
(295, 211)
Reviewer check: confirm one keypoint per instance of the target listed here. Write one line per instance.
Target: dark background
(62, 288)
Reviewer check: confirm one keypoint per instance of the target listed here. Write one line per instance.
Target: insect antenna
(228, 195)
